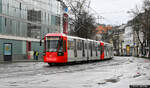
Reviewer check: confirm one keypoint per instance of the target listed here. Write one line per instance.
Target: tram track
(47, 70)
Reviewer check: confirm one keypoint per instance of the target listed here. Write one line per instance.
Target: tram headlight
(60, 54)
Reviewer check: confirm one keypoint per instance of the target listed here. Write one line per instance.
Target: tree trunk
(142, 48)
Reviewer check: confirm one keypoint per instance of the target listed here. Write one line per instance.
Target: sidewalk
(27, 60)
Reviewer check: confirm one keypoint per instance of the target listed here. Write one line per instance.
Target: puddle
(45, 80)
(101, 83)
(112, 80)
(13, 85)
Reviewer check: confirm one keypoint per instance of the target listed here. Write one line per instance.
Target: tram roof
(55, 34)
(74, 37)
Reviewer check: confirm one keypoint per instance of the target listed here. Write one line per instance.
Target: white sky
(115, 11)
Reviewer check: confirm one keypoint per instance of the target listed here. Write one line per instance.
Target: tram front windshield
(54, 44)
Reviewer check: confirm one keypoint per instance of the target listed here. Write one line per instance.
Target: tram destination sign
(52, 38)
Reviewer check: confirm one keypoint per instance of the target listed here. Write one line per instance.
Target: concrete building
(128, 44)
(118, 39)
(137, 46)
(104, 33)
(23, 23)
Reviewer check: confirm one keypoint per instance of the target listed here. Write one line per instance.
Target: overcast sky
(115, 11)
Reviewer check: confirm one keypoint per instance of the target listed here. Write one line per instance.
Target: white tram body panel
(80, 49)
(71, 49)
(77, 50)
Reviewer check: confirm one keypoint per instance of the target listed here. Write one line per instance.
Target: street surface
(120, 72)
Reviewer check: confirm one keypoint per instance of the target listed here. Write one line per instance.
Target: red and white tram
(60, 48)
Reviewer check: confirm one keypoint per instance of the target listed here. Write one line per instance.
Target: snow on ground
(117, 73)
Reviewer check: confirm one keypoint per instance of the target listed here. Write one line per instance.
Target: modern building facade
(23, 23)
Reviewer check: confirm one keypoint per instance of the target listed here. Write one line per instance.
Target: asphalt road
(117, 72)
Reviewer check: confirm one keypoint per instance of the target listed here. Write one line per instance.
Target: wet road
(118, 72)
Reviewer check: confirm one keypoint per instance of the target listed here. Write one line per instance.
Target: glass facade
(29, 18)
(24, 22)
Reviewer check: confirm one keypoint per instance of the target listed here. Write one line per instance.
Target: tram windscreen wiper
(60, 46)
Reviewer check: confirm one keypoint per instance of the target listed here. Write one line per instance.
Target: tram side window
(83, 46)
(111, 50)
(95, 46)
(69, 45)
(72, 45)
(105, 50)
(91, 48)
(79, 45)
(108, 51)
(75, 48)
(96, 49)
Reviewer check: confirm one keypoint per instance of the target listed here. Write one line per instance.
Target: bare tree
(83, 22)
(107, 35)
(141, 23)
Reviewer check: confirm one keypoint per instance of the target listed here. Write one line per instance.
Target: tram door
(87, 45)
(91, 48)
(75, 48)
